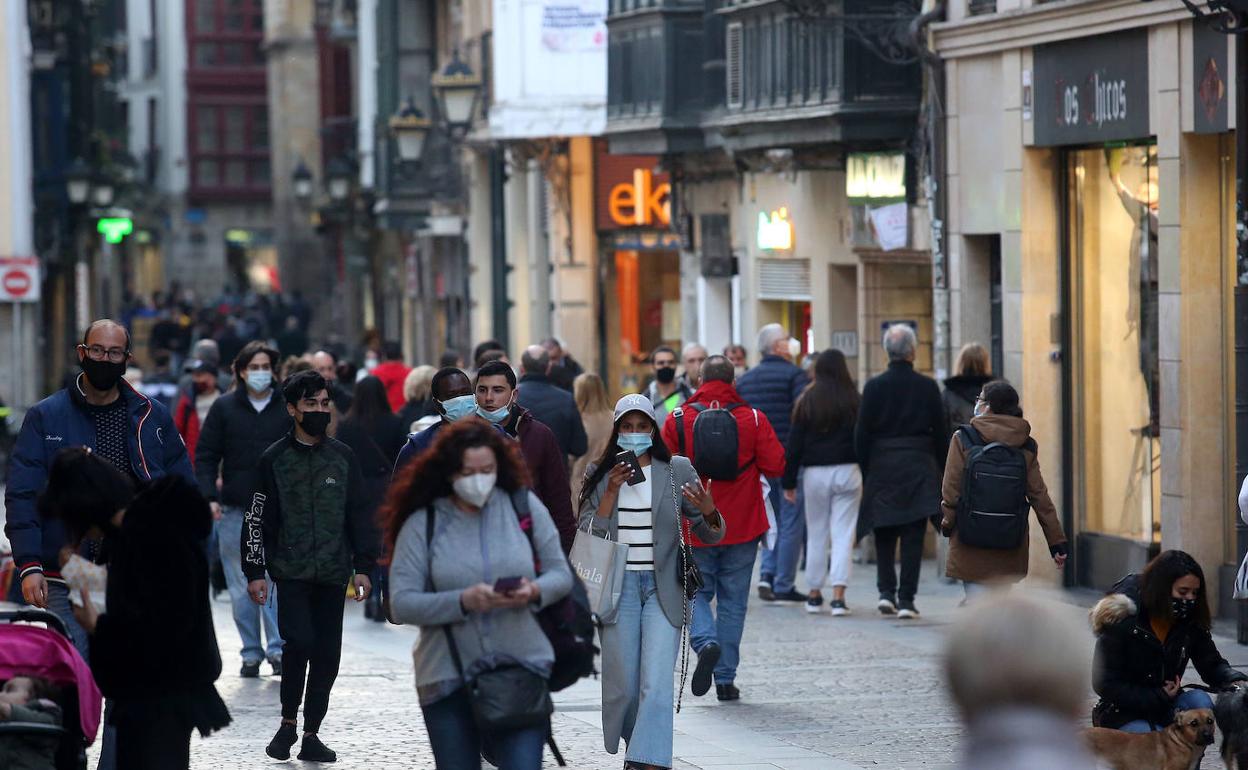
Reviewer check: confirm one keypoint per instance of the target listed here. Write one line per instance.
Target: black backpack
(993, 510)
(716, 445)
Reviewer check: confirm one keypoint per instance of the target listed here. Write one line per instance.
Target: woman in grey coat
(639, 649)
(469, 481)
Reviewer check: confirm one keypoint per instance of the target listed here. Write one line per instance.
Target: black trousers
(309, 617)
(911, 537)
(153, 739)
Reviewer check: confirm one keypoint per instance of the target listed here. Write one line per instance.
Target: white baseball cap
(634, 402)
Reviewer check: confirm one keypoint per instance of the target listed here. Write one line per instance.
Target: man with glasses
(102, 412)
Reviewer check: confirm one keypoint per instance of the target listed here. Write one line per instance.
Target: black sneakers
(907, 611)
(276, 663)
(313, 750)
(250, 670)
(279, 747)
(839, 608)
(814, 604)
(792, 596)
(707, 659)
(727, 692)
(887, 605)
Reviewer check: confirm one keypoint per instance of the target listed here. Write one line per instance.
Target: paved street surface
(818, 694)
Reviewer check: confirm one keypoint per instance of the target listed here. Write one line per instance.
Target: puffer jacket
(959, 398)
(232, 439)
(772, 388)
(59, 421)
(1132, 664)
(309, 515)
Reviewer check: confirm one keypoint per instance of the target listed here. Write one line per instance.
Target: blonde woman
(417, 401)
(595, 409)
(972, 372)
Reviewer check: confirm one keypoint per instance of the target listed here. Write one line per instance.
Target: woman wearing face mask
(1147, 630)
(472, 578)
(998, 422)
(639, 650)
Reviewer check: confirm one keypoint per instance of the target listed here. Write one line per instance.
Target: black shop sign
(1092, 90)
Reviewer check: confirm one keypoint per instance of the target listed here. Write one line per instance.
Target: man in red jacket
(496, 402)
(727, 566)
(392, 373)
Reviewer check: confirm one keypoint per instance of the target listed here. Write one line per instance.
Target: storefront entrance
(1111, 199)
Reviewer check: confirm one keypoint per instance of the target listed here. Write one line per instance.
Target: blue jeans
(1188, 699)
(726, 571)
(456, 743)
(638, 659)
(247, 616)
(59, 605)
(780, 563)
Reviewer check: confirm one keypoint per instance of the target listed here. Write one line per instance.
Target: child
(28, 699)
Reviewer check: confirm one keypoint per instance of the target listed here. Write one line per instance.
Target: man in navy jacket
(102, 412)
(772, 388)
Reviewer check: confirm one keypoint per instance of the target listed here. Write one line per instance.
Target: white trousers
(833, 493)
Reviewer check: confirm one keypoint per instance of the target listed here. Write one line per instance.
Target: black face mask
(1183, 608)
(103, 375)
(666, 374)
(315, 423)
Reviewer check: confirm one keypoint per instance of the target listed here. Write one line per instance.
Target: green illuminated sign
(114, 229)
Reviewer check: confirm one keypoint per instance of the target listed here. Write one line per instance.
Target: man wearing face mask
(453, 398)
(496, 403)
(665, 391)
(102, 412)
(309, 498)
(239, 427)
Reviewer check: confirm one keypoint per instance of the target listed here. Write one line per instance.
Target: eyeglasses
(100, 353)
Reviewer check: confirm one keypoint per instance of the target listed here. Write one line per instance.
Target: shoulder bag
(507, 697)
(691, 582)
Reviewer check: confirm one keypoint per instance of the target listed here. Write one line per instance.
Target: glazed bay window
(230, 148)
(226, 33)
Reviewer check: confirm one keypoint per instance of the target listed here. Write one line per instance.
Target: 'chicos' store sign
(1092, 90)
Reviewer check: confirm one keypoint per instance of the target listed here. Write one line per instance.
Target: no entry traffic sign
(19, 279)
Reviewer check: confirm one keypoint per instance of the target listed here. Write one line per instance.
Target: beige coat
(980, 565)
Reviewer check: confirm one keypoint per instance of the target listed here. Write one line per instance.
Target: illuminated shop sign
(114, 229)
(875, 177)
(641, 202)
(775, 231)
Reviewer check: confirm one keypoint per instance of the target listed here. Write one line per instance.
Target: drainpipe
(1241, 294)
(499, 268)
(932, 130)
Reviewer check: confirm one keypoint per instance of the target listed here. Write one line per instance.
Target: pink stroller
(45, 650)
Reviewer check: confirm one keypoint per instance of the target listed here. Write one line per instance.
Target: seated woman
(1147, 630)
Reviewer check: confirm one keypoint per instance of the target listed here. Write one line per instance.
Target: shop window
(1111, 210)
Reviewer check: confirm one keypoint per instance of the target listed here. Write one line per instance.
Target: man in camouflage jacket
(308, 528)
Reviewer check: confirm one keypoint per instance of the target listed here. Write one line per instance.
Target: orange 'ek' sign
(641, 203)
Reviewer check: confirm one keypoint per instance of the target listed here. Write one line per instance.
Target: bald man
(549, 403)
(102, 412)
(326, 365)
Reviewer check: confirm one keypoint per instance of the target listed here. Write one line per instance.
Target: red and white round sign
(16, 283)
(19, 279)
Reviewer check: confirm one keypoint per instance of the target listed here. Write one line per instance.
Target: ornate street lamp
(102, 191)
(410, 128)
(302, 181)
(78, 182)
(457, 89)
(338, 178)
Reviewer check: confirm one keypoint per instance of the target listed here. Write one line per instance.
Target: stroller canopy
(35, 651)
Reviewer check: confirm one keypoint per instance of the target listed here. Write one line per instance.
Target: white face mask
(475, 489)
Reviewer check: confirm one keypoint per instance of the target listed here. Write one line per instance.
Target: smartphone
(629, 458)
(359, 592)
(507, 585)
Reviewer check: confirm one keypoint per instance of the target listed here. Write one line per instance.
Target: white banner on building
(892, 226)
(574, 25)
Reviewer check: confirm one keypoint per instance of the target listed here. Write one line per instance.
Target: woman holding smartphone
(639, 650)
(463, 569)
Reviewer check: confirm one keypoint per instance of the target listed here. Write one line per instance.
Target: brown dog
(1179, 747)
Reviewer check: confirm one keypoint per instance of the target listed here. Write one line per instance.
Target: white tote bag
(599, 562)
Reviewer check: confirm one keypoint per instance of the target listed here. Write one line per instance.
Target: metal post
(1241, 297)
(498, 250)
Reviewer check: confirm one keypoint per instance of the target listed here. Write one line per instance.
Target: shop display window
(1111, 211)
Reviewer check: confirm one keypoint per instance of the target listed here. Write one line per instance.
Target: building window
(230, 148)
(227, 33)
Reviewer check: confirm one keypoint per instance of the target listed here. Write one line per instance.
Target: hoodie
(959, 397)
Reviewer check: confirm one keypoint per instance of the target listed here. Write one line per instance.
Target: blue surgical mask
(496, 416)
(459, 407)
(259, 380)
(639, 443)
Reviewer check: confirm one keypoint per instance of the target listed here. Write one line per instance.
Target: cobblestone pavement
(819, 693)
